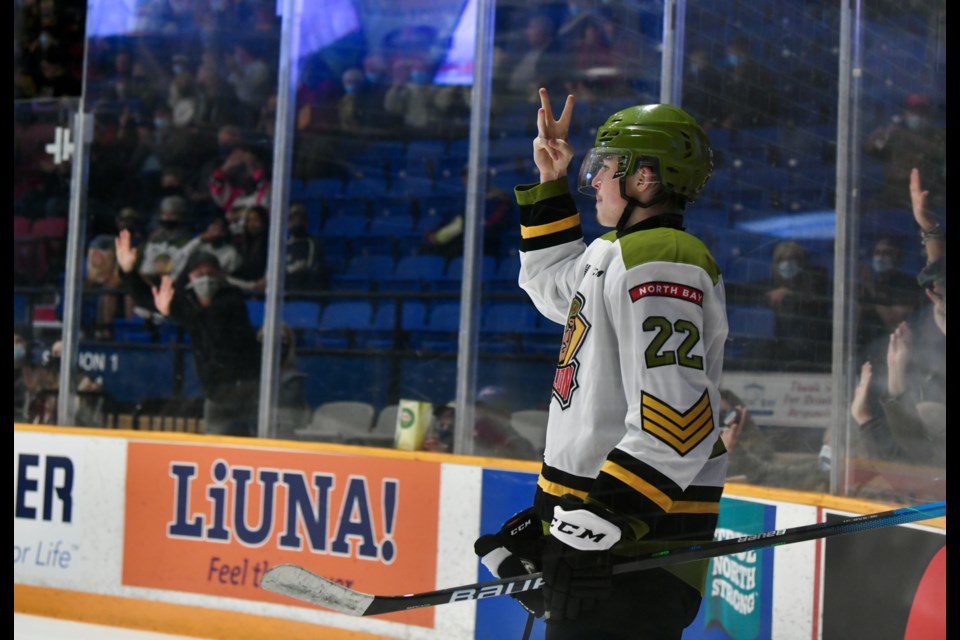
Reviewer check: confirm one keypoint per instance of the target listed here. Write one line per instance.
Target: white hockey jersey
(633, 417)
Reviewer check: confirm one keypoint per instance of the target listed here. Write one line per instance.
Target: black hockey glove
(515, 551)
(577, 565)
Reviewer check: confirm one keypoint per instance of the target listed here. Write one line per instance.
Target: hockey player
(633, 462)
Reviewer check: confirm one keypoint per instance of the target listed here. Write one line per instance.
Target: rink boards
(171, 532)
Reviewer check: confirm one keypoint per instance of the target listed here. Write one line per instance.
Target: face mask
(350, 88)
(882, 265)
(219, 241)
(418, 77)
(236, 175)
(374, 77)
(160, 123)
(913, 121)
(788, 269)
(733, 59)
(169, 224)
(19, 353)
(205, 286)
(298, 232)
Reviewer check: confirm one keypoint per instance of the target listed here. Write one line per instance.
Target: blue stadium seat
(503, 325)
(363, 272)
(414, 273)
(255, 309)
(441, 330)
(452, 278)
(339, 235)
(300, 314)
(338, 323)
(387, 331)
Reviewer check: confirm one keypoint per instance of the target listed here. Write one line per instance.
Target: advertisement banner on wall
(211, 520)
(888, 583)
(67, 511)
(739, 593)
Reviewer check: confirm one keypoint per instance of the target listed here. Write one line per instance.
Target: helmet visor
(600, 164)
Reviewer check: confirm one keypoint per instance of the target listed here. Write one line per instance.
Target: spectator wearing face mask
(799, 294)
(913, 138)
(888, 295)
(163, 250)
(241, 179)
(214, 314)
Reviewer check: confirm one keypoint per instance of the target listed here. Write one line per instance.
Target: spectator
(293, 412)
(423, 109)
(534, 61)
(252, 246)
(241, 179)
(799, 295)
(185, 100)
(55, 79)
(911, 140)
(101, 272)
(216, 239)
(361, 109)
(888, 295)
(23, 378)
(748, 88)
(217, 98)
(214, 314)
(702, 88)
(250, 77)
(499, 218)
(753, 454)
(305, 261)
(493, 434)
(162, 252)
(593, 60)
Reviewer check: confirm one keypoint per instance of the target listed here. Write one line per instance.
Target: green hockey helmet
(661, 136)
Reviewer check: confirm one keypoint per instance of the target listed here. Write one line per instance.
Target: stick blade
(298, 583)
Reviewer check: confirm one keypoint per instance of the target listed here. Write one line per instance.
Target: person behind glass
(888, 295)
(242, 178)
(905, 418)
(913, 139)
(214, 314)
(748, 88)
(702, 87)
(162, 251)
(293, 411)
(306, 267)
(493, 435)
(632, 443)
(753, 454)
(216, 239)
(446, 238)
(24, 379)
(252, 246)
(799, 295)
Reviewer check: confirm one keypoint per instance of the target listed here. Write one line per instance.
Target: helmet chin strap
(633, 203)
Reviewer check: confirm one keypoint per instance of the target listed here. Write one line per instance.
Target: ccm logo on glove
(583, 529)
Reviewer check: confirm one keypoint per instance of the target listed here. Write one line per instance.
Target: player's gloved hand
(515, 551)
(577, 565)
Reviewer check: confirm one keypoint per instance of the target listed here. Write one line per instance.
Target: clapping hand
(126, 253)
(163, 295)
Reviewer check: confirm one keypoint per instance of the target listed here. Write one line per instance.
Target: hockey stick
(301, 584)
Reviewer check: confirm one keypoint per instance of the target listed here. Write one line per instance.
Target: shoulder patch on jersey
(565, 377)
(680, 429)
